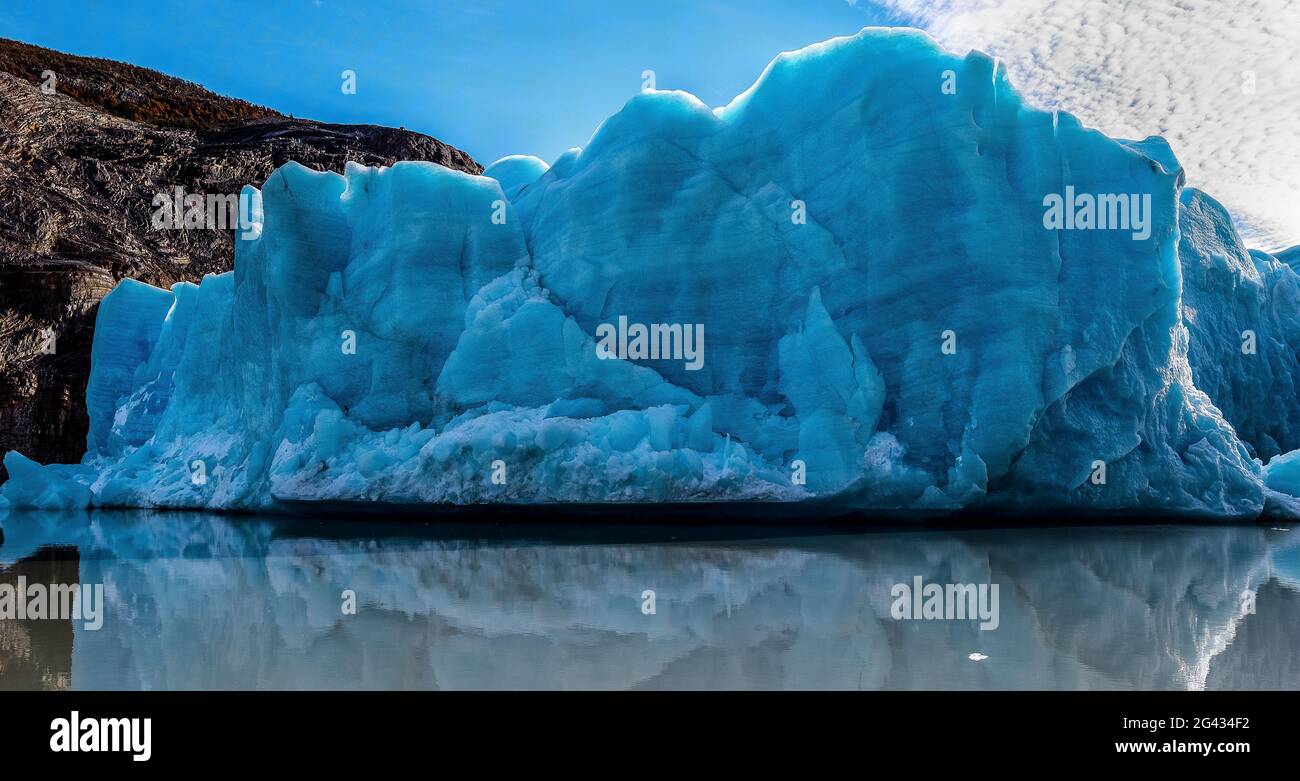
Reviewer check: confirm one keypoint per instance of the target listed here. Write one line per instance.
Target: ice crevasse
(847, 287)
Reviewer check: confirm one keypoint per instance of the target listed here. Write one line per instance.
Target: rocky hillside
(125, 91)
(80, 167)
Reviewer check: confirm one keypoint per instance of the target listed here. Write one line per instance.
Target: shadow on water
(493, 600)
(37, 654)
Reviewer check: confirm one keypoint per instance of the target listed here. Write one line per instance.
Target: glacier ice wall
(1242, 308)
(856, 248)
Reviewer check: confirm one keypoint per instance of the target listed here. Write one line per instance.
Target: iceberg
(877, 280)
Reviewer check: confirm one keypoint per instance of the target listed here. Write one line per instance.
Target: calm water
(196, 601)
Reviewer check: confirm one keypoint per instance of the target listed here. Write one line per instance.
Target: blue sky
(498, 77)
(493, 77)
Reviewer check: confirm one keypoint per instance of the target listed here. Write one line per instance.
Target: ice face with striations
(887, 315)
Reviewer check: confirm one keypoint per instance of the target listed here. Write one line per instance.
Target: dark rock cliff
(79, 171)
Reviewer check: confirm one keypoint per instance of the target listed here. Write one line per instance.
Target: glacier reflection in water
(198, 601)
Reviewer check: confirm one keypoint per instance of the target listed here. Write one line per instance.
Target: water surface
(200, 601)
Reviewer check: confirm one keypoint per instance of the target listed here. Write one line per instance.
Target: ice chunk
(515, 172)
(852, 284)
(43, 487)
(1282, 473)
(127, 326)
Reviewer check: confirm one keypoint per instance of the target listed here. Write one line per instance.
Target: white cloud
(1133, 68)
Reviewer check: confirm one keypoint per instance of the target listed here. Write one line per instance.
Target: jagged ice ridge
(862, 238)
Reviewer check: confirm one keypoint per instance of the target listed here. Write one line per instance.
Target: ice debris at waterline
(875, 279)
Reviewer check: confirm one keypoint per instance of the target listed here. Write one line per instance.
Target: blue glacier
(887, 321)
